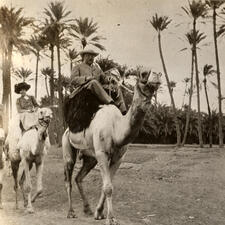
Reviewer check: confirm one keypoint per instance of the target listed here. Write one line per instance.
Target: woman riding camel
(26, 106)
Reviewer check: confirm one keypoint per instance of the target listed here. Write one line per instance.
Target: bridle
(147, 97)
(43, 122)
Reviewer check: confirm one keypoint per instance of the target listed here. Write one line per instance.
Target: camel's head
(148, 83)
(44, 116)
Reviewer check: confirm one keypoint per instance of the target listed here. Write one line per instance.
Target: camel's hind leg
(88, 164)
(15, 168)
(69, 156)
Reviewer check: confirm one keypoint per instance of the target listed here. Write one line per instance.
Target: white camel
(104, 142)
(27, 150)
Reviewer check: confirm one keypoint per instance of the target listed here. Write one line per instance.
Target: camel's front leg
(114, 165)
(88, 164)
(39, 172)
(107, 188)
(28, 185)
(69, 157)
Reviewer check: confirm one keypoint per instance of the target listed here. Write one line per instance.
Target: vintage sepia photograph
(111, 112)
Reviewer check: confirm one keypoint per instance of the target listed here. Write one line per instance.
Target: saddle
(80, 110)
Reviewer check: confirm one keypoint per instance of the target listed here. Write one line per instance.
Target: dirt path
(158, 185)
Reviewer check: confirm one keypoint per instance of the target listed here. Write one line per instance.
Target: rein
(43, 123)
(148, 98)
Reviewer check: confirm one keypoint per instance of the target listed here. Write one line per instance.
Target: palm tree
(85, 31)
(186, 81)
(12, 24)
(60, 25)
(49, 37)
(47, 73)
(66, 84)
(72, 54)
(160, 24)
(106, 63)
(192, 37)
(208, 70)
(23, 74)
(36, 45)
(172, 86)
(215, 4)
(195, 10)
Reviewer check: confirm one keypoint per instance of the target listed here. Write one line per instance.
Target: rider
(89, 75)
(26, 106)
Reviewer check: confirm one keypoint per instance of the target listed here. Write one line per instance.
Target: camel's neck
(133, 120)
(42, 132)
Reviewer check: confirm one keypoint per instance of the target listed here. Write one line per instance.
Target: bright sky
(134, 42)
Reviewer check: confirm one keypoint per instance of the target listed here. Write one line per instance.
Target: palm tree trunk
(36, 74)
(71, 66)
(170, 91)
(218, 80)
(46, 86)
(156, 97)
(51, 81)
(209, 113)
(10, 103)
(5, 94)
(190, 100)
(7, 86)
(60, 95)
(197, 87)
(185, 90)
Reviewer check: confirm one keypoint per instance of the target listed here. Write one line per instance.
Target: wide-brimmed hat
(21, 86)
(88, 51)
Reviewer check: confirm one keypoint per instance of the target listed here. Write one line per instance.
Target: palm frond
(160, 23)
(85, 31)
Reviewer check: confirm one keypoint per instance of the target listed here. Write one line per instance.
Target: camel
(26, 150)
(104, 141)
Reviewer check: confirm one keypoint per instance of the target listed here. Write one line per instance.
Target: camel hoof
(111, 221)
(71, 214)
(39, 195)
(88, 211)
(30, 210)
(99, 215)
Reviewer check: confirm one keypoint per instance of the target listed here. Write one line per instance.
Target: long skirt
(28, 119)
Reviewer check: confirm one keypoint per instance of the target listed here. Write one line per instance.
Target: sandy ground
(156, 185)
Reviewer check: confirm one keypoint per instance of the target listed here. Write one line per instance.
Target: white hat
(88, 51)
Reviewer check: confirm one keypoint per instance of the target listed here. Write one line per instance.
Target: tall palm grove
(58, 37)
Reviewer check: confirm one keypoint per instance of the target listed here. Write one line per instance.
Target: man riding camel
(89, 75)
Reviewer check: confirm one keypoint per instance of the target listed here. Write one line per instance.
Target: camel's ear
(144, 76)
(50, 113)
(149, 73)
